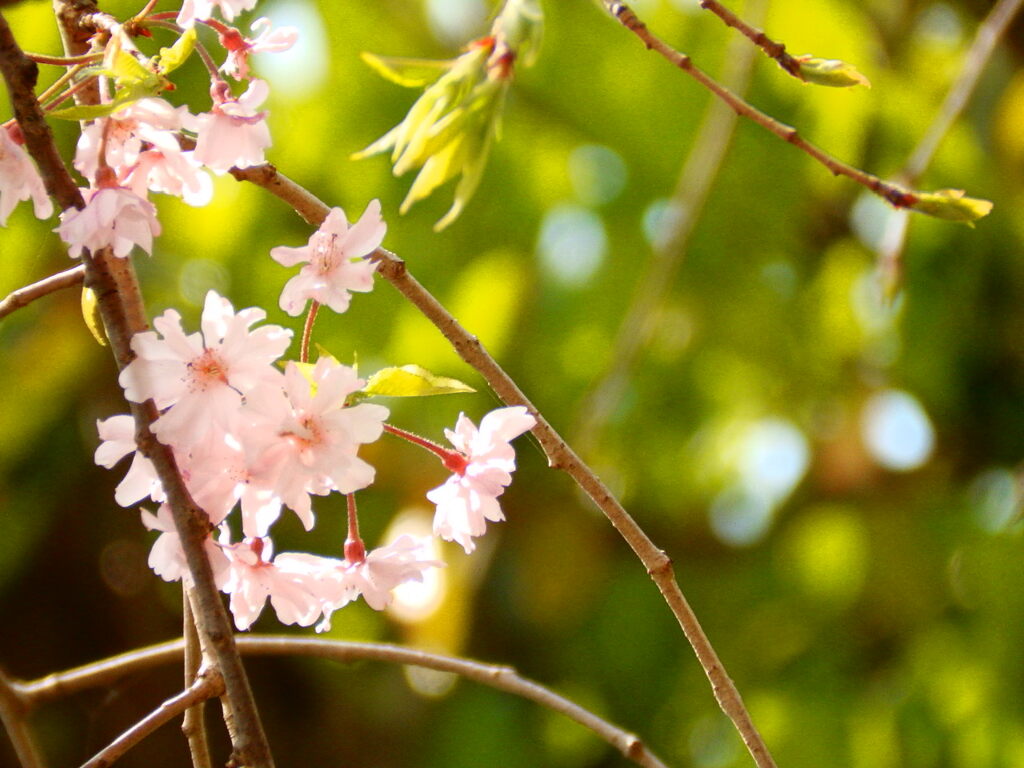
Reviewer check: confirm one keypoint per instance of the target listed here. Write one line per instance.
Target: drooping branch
(627, 18)
(669, 247)
(22, 297)
(121, 308)
(204, 687)
(945, 204)
(503, 678)
(558, 452)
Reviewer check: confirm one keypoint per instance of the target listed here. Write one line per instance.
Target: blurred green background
(835, 478)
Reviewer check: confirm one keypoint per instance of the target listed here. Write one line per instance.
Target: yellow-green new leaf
(409, 73)
(91, 315)
(94, 111)
(830, 72)
(171, 58)
(412, 381)
(950, 204)
(130, 74)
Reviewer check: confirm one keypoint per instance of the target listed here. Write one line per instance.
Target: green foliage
(875, 617)
(411, 381)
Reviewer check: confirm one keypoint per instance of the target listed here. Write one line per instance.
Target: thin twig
(121, 308)
(669, 247)
(773, 49)
(193, 724)
(22, 297)
(990, 31)
(559, 454)
(61, 684)
(64, 61)
(894, 194)
(14, 711)
(202, 689)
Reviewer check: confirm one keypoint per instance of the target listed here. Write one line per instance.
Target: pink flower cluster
(246, 434)
(137, 149)
(248, 431)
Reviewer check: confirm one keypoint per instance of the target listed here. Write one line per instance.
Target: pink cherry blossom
(167, 558)
(233, 134)
(483, 467)
(253, 576)
(124, 134)
(113, 217)
(203, 9)
(376, 575)
(201, 378)
(19, 180)
(169, 170)
(307, 440)
(267, 41)
(336, 261)
(118, 436)
(222, 474)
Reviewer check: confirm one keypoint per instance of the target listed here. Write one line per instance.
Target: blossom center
(206, 370)
(326, 252)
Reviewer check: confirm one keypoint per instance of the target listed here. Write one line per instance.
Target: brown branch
(893, 193)
(990, 31)
(204, 687)
(193, 724)
(558, 453)
(121, 308)
(503, 678)
(773, 49)
(14, 710)
(25, 296)
(669, 247)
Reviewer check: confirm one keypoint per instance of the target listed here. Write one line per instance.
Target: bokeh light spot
(774, 458)
(301, 70)
(452, 22)
(572, 244)
(897, 431)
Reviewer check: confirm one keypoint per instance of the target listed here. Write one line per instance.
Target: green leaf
(169, 59)
(128, 72)
(831, 72)
(96, 111)
(950, 204)
(410, 73)
(91, 315)
(412, 381)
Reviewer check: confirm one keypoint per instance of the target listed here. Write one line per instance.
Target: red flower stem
(355, 549)
(422, 442)
(215, 25)
(307, 331)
